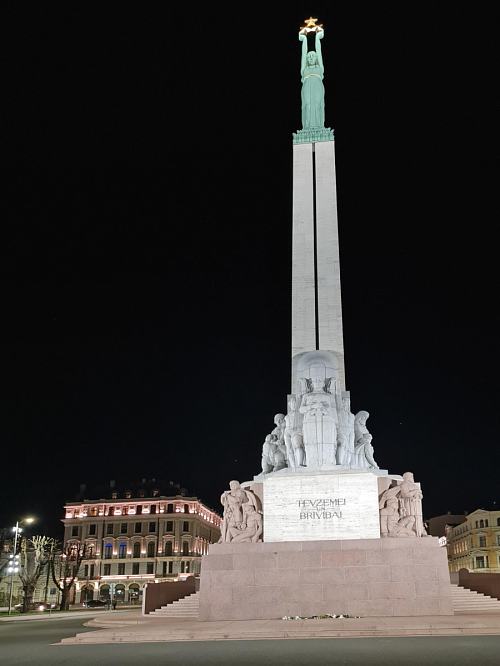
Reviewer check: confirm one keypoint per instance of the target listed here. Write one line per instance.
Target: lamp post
(14, 558)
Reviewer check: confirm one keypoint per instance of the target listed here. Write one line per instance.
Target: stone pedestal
(366, 577)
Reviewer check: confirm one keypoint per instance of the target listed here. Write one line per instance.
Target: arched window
(122, 549)
(151, 549)
(185, 548)
(120, 592)
(104, 592)
(108, 551)
(137, 549)
(168, 549)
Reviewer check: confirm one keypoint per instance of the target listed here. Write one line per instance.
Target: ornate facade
(475, 543)
(137, 540)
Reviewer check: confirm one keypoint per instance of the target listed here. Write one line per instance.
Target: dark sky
(146, 243)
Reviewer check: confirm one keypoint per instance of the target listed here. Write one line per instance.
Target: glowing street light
(14, 563)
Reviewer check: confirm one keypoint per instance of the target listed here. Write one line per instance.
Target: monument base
(366, 577)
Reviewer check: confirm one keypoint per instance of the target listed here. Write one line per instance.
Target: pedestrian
(114, 604)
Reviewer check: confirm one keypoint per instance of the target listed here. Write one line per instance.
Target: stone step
(188, 607)
(470, 601)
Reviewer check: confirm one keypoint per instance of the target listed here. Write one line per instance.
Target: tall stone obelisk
(316, 294)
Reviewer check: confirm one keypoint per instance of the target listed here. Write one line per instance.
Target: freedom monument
(321, 529)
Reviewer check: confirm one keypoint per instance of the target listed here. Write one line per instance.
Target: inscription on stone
(313, 507)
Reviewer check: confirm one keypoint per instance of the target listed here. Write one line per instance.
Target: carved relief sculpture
(410, 500)
(320, 423)
(345, 436)
(363, 449)
(401, 509)
(242, 520)
(294, 440)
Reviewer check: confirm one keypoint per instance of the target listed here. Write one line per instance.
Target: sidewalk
(64, 615)
(135, 628)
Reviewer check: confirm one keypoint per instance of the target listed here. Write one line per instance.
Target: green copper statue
(313, 91)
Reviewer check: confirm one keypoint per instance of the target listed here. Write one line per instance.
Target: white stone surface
(303, 295)
(321, 506)
(329, 294)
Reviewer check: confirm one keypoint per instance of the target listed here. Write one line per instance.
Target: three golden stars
(311, 25)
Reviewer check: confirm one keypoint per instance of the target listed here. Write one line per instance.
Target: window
(138, 528)
(121, 569)
(498, 539)
(185, 526)
(92, 529)
(187, 568)
(138, 509)
(168, 549)
(125, 511)
(186, 508)
(182, 567)
(108, 551)
(86, 571)
(170, 567)
(486, 522)
(111, 511)
(93, 511)
(480, 562)
(170, 508)
(74, 530)
(150, 567)
(153, 508)
(135, 568)
(481, 523)
(107, 570)
(170, 525)
(164, 570)
(123, 528)
(482, 542)
(152, 527)
(151, 549)
(137, 549)
(498, 522)
(109, 528)
(122, 549)
(185, 548)
(92, 571)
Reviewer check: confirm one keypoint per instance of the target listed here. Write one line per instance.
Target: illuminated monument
(321, 529)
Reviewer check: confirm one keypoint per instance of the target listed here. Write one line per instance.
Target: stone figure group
(318, 431)
(401, 509)
(242, 518)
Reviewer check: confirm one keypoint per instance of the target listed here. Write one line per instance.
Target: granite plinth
(365, 577)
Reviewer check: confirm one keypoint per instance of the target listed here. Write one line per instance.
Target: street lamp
(14, 563)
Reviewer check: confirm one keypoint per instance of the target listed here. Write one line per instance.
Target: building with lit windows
(136, 537)
(475, 543)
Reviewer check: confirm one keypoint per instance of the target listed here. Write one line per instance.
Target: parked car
(95, 603)
(36, 606)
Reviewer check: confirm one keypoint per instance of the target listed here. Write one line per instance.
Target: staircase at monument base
(186, 607)
(468, 601)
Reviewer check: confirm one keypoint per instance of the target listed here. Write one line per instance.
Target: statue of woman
(293, 434)
(363, 449)
(313, 90)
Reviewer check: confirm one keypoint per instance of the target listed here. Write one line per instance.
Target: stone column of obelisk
(316, 295)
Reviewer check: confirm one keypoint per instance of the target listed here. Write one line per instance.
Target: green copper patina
(313, 90)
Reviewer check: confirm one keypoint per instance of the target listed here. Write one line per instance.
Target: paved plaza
(26, 643)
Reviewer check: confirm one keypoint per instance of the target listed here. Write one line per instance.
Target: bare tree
(34, 557)
(65, 565)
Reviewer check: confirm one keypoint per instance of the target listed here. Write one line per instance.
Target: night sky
(146, 243)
